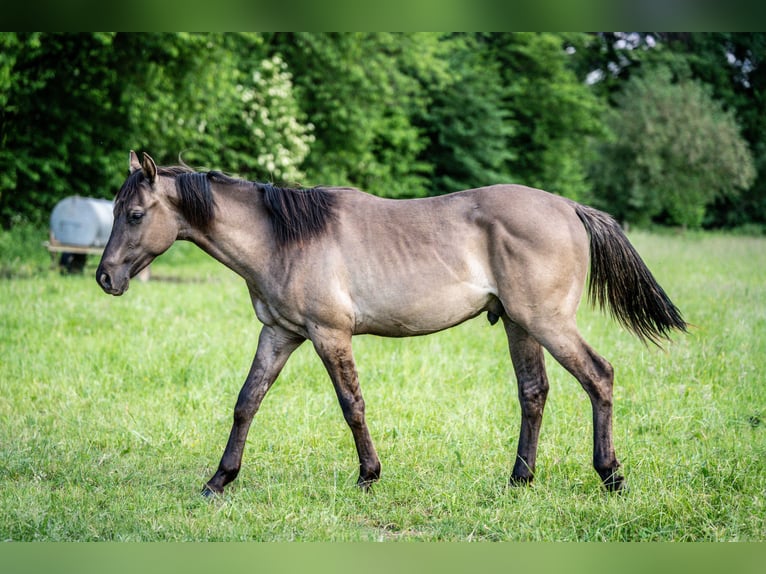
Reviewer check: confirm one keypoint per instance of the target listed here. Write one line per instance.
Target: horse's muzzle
(109, 284)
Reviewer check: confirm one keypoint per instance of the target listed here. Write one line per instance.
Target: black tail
(620, 280)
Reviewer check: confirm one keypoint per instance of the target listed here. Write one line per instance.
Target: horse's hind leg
(596, 376)
(529, 366)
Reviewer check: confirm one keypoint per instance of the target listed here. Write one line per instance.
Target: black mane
(197, 204)
(296, 215)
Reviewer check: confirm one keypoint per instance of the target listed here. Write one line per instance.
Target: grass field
(114, 412)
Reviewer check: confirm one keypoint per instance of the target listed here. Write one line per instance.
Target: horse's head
(145, 225)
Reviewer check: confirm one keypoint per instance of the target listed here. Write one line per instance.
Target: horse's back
(518, 205)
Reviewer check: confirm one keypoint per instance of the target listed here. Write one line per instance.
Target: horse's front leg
(274, 348)
(334, 349)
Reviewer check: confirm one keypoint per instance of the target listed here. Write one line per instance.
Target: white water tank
(82, 221)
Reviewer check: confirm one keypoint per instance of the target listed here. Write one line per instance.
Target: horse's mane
(296, 215)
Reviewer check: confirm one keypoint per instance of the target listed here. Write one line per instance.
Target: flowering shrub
(272, 116)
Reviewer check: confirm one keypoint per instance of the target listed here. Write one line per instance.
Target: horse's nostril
(105, 280)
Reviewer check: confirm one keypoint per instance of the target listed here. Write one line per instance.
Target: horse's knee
(533, 397)
(353, 411)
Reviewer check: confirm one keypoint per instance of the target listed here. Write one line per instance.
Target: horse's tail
(621, 281)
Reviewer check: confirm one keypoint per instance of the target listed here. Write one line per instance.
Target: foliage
(730, 64)
(78, 103)
(175, 100)
(353, 88)
(738, 81)
(555, 117)
(57, 137)
(675, 151)
(192, 93)
(465, 123)
(270, 113)
(399, 115)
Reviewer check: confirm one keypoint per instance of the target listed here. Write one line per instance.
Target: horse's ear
(133, 163)
(149, 168)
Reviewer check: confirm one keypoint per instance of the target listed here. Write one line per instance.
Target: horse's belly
(423, 287)
(419, 310)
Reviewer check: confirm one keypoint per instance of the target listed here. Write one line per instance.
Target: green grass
(114, 412)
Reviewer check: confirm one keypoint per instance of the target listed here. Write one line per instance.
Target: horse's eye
(135, 217)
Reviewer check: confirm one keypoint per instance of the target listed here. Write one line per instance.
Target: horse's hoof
(516, 481)
(209, 493)
(615, 483)
(365, 485)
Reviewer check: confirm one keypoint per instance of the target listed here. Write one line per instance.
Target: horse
(324, 264)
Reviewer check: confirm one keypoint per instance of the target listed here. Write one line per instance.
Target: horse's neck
(240, 235)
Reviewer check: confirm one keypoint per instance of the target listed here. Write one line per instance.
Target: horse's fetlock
(225, 475)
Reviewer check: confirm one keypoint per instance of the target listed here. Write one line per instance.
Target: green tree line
(652, 127)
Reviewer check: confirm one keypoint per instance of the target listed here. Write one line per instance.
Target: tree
(731, 64)
(465, 123)
(734, 65)
(56, 120)
(355, 92)
(74, 104)
(218, 100)
(554, 115)
(675, 150)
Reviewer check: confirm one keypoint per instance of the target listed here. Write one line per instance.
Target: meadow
(115, 411)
